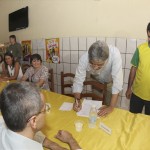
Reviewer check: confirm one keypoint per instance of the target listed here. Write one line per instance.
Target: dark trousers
(137, 104)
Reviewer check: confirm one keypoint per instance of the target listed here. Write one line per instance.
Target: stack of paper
(86, 107)
(66, 106)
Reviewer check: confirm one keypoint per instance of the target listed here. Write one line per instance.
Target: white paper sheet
(86, 107)
(66, 106)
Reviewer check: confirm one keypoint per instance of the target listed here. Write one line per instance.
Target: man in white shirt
(105, 64)
(23, 109)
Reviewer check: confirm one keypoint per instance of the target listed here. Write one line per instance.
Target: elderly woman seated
(11, 69)
(37, 73)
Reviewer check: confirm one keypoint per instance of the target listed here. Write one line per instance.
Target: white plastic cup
(78, 125)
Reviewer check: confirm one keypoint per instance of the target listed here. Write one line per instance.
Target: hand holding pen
(77, 105)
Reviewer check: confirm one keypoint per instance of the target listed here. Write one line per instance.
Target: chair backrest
(25, 67)
(66, 84)
(102, 88)
(51, 80)
(93, 83)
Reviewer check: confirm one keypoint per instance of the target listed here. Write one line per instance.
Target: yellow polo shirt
(141, 60)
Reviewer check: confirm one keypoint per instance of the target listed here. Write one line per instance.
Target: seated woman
(11, 69)
(37, 73)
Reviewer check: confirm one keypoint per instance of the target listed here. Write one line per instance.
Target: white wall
(60, 18)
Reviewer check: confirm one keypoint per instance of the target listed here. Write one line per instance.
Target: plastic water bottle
(92, 117)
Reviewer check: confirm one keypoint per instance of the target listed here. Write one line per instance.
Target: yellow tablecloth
(129, 131)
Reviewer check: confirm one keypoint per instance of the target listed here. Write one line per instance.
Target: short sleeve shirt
(34, 77)
(141, 60)
(16, 50)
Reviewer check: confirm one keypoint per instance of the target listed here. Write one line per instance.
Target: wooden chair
(66, 84)
(93, 83)
(25, 67)
(102, 88)
(51, 80)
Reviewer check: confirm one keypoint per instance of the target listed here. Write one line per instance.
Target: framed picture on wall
(52, 50)
(27, 50)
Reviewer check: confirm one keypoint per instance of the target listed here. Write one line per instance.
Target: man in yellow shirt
(138, 90)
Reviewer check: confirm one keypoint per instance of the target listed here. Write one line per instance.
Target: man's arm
(105, 110)
(80, 74)
(78, 81)
(66, 137)
(130, 81)
(52, 145)
(117, 76)
(41, 138)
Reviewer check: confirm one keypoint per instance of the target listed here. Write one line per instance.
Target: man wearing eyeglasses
(104, 63)
(23, 109)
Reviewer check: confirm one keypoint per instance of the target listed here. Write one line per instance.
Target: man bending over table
(23, 109)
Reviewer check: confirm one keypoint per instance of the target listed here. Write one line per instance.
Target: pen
(76, 100)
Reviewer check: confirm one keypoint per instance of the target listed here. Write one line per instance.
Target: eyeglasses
(46, 110)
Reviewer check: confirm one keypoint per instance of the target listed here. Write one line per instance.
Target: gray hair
(98, 51)
(19, 102)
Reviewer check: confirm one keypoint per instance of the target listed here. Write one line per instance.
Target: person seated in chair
(23, 109)
(11, 69)
(37, 73)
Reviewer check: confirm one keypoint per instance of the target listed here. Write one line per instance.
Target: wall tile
(66, 43)
(66, 68)
(61, 43)
(82, 43)
(126, 75)
(66, 56)
(123, 60)
(128, 60)
(34, 44)
(59, 68)
(131, 45)
(34, 51)
(74, 56)
(111, 41)
(124, 89)
(121, 44)
(90, 41)
(74, 43)
(53, 66)
(41, 53)
(61, 56)
(58, 79)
